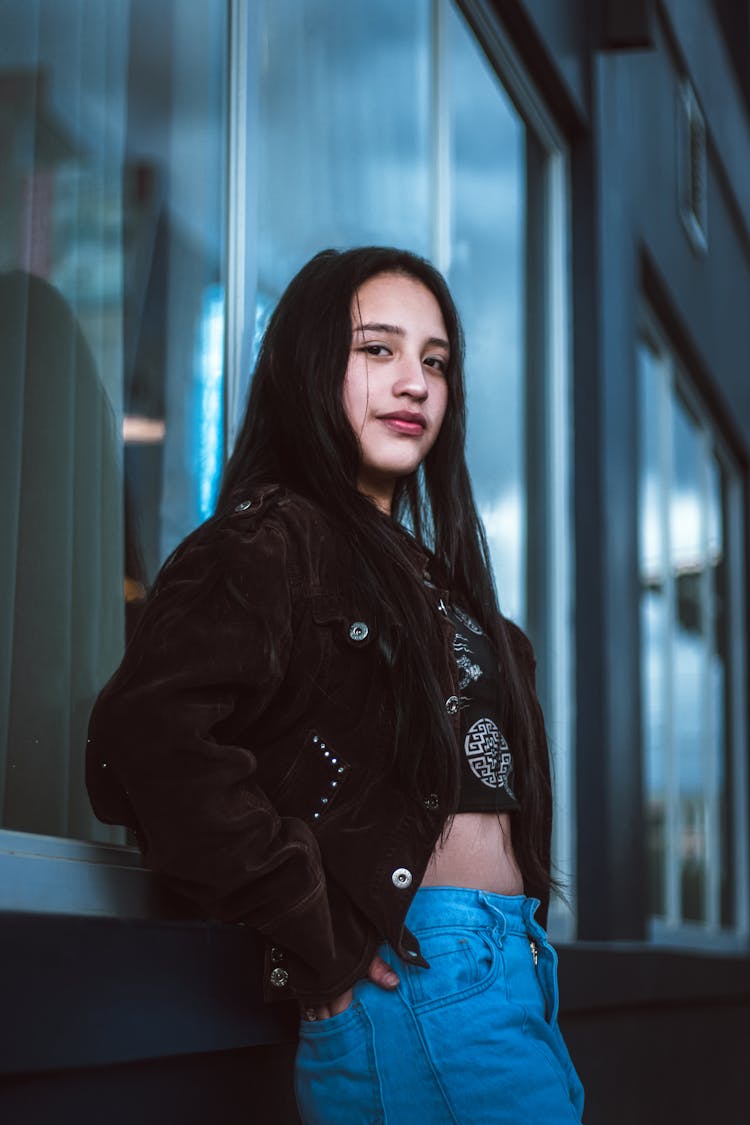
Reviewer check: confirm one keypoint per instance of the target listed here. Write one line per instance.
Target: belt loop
(529, 908)
(502, 923)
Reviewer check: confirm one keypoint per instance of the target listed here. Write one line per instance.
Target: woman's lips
(403, 424)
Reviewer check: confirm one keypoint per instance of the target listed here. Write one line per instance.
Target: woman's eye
(376, 349)
(437, 362)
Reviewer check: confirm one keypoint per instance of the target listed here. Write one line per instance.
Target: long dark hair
(296, 433)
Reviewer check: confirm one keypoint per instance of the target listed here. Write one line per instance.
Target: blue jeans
(471, 1040)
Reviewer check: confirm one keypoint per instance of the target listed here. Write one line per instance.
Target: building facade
(581, 173)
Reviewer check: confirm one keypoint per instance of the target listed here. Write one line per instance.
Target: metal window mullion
(671, 778)
(440, 148)
(241, 202)
(498, 45)
(64, 779)
(736, 721)
(557, 502)
(711, 905)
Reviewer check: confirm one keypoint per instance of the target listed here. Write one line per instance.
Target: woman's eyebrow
(391, 329)
(397, 330)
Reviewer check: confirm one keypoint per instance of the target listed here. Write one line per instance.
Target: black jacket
(250, 701)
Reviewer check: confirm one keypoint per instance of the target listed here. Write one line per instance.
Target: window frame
(55, 875)
(675, 383)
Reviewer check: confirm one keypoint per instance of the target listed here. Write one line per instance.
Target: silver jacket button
(401, 878)
(243, 506)
(452, 704)
(359, 631)
(279, 977)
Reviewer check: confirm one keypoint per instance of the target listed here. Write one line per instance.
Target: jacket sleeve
(169, 745)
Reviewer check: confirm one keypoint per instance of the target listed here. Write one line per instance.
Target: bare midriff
(477, 852)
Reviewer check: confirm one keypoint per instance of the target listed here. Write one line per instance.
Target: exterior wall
(234, 1088)
(640, 1020)
(565, 31)
(659, 1065)
(166, 1024)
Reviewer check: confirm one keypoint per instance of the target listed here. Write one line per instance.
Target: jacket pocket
(313, 782)
(353, 626)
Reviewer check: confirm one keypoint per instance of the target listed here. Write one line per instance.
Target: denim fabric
(471, 1040)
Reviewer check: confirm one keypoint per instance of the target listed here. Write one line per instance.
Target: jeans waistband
(465, 906)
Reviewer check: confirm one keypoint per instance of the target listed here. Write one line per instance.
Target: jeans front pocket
(463, 962)
(336, 1078)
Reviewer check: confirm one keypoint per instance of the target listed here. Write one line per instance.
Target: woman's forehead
(398, 301)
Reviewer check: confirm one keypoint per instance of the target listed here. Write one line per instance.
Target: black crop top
(486, 758)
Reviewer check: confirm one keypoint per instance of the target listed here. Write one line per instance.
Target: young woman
(324, 728)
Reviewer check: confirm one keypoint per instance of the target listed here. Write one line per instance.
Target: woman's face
(395, 389)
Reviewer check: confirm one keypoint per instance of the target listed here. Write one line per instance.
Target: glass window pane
(654, 628)
(686, 652)
(651, 542)
(343, 131)
(111, 260)
(687, 558)
(174, 301)
(719, 683)
(488, 246)
(63, 80)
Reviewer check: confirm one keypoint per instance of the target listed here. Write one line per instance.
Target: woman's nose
(411, 380)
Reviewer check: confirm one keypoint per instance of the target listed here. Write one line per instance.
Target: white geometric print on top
(469, 622)
(488, 755)
(468, 670)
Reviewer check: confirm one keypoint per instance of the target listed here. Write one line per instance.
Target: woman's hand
(379, 972)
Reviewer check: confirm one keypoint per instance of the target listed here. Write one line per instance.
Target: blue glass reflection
(208, 376)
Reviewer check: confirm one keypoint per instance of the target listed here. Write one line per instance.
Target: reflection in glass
(651, 542)
(61, 330)
(343, 139)
(488, 193)
(689, 658)
(719, 685)
(654, 635)
(388, 160)
(684, 655)
(111, 270)
(175, 261)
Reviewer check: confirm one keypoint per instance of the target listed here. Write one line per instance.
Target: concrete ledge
(86, 991)
(603, 976)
